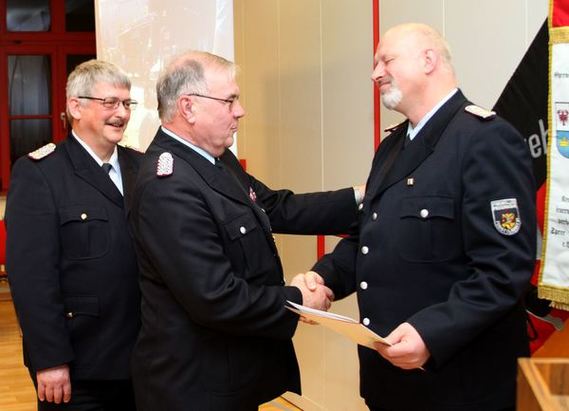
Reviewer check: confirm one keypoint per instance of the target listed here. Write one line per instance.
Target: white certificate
(346, 326)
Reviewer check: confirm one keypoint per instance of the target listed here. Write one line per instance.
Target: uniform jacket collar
(218, 176)
(87, 169)
(403, 162)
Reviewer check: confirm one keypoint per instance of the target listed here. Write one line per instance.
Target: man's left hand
(407, 350)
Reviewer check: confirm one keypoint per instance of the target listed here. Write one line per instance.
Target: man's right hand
(54, 384)
(314, 293)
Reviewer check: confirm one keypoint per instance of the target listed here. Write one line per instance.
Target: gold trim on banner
(548, 159)
(558, 35)
(558, 296)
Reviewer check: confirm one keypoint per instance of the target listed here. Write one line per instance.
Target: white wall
(487, 38)
(305, 67)
(141, 36)
(309, 124)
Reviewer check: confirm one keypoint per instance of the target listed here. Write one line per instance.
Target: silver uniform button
(424, 213)
(242, 230)
(361, 206)
(374, 216)
(69, 315)
(363, 285)
(365, 249)
(366, 321)
(83, 216)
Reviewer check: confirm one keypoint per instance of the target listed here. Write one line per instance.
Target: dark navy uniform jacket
(446, 243)
(72, 264)
(215, 332)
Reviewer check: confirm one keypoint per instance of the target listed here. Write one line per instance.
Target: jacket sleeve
(339, 268)
(327, 212)
(33, 266)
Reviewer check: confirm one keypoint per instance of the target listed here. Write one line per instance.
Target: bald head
(421, 37)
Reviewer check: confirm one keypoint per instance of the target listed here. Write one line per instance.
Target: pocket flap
(427, 207)
(82, 305)
(240, 226)
(82, 213)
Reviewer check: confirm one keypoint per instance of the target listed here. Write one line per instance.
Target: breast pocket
(428, 229)
(85, 232)
(247, 246)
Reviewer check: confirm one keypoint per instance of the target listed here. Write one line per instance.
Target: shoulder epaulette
(42, 152)
(392, 127)
(165, 165)
(480, 112)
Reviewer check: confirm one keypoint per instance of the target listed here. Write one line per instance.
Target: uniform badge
(42, 152)
(562, 128)
(252, 195)
(506, 215)
(165, 166)
(480, 112)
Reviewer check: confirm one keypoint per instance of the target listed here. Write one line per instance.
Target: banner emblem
(506, 215)
(562, 127)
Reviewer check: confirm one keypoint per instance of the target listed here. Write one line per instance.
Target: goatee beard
(392, 97)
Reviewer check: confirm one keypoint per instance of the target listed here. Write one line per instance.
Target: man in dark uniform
(70, 256)
(446, 241)
(215, 331)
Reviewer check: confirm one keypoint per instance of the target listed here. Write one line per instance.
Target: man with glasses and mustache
(446, 242)
(72, 264)
(215, 331)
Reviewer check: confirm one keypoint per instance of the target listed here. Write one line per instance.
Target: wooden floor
(16, 390)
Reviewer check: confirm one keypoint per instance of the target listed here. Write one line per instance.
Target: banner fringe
(559, 296)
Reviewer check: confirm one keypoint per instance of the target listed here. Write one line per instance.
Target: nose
(378, 72)
(238, 110)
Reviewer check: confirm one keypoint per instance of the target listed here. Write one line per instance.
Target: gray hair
(84, 77)
(186, 75)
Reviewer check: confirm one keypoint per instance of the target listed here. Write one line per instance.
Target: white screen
(141, 36)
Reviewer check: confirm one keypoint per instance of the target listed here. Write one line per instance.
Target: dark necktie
(107, 167)
(407, 140)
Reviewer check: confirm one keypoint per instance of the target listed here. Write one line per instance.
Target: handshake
(314, 293)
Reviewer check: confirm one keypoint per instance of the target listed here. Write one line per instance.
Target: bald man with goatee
(446, 243)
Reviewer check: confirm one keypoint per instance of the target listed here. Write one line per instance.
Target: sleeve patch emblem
(506, 216)
(165, 166)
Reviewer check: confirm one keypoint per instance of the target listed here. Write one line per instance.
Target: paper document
(346, 326)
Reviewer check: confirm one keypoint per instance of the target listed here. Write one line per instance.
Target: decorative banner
(523, 103)
(554, 276)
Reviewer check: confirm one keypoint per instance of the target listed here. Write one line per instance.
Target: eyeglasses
(112, 103)
(229, 101)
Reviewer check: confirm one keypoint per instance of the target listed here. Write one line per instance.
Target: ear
(187, 108)
(74, 107)
(431, 60)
